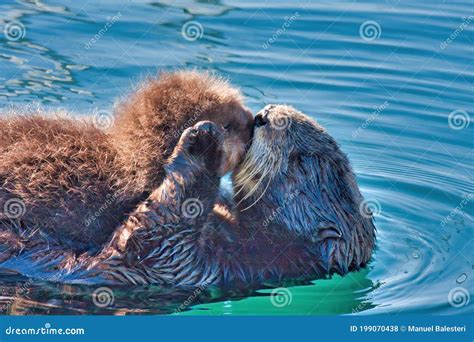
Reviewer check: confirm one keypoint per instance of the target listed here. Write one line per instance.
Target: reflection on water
(35, 71)
(391, 81)
(338, 295)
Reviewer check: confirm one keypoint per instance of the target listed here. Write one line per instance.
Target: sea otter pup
(77, 183)
(300, 217)
(161, 240)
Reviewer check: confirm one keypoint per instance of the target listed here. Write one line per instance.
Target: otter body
(297, 215)
(163, 241)
(77, 183)
(65, 178)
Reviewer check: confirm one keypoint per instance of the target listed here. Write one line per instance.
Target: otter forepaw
(204, 141)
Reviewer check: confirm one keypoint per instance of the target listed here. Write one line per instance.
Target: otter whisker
(264, 174)
(243, 182)
(263, 193)
(243, 185)
(256, 187)
(249, 170)
(257, 164)
(249, 175)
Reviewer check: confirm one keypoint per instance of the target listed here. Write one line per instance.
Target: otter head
(150, 121)
(236, 123)
(295, 177)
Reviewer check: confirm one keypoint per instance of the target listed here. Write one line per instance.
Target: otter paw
(204, 141)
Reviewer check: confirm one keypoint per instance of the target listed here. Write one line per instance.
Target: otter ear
(328, 230)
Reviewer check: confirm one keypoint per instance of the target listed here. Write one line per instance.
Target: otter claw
(207, 127)
(204, 140)
(204, 133)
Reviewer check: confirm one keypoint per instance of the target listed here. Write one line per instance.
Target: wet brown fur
(307, 224)
(78, 182)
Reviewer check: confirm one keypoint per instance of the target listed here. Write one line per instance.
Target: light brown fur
(149, 124)
(78, 182)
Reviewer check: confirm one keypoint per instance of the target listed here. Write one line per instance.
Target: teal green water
(392, 81)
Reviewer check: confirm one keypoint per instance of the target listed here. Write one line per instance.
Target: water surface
(392, 81)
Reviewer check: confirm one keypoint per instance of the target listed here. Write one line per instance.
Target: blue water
(391, 80)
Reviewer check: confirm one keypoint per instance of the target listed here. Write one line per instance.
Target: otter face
(287, 132)
(236, 123)
(281, 136)
(294, 179)
(289, 153)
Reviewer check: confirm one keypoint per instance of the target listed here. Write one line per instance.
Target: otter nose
(260, 120)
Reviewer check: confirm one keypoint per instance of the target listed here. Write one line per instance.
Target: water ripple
(387, 99)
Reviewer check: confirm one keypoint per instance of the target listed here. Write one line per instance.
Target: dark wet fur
(317, 226)
(317, 232)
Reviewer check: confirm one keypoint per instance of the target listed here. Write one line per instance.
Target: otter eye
(226, 126)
